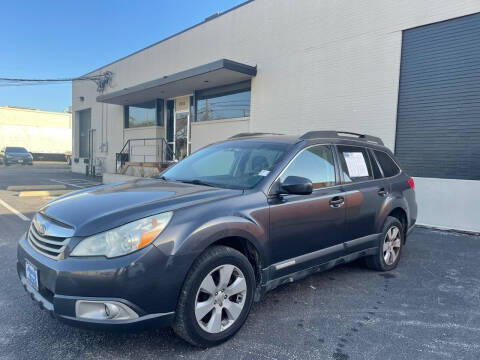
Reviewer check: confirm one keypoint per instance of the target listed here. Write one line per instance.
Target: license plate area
(20, 161)
(31, 274)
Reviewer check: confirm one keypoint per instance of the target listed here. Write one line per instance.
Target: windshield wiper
(198, 182)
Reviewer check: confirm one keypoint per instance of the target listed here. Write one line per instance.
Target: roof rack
(341, 135)
(246, 134)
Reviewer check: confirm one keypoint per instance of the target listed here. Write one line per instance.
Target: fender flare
(390, 205)
(220, 228)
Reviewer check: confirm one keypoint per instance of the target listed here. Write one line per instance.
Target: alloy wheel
(220, 298)
(391, 245)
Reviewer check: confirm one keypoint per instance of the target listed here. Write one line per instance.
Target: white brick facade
(321, 64)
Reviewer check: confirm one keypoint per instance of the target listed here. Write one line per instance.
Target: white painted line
(15, 211)
(78, 180)
(35, 187)
(65, 183)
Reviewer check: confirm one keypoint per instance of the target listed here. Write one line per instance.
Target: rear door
(366, 192)
(308, 229)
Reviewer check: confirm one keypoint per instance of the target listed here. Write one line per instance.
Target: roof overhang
(218, 73)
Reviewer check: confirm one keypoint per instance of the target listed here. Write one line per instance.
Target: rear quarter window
(388, 165)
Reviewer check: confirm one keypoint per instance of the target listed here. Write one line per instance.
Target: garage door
(438, 121)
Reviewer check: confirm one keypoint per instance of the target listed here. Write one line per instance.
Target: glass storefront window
(145, 114)
(224, 106)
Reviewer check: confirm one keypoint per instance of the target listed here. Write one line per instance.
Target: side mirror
(296, 185)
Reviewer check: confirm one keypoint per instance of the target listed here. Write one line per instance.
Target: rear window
(387, 164)
(16, 149)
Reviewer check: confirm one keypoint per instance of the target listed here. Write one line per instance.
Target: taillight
(411, 183)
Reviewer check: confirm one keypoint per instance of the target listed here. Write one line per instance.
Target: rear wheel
(216, 297)
(389, 247)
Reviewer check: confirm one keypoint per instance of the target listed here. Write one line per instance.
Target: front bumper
(18, 160)
(141, 280)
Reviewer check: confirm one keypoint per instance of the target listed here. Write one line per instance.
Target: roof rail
(341, 135)
(246, 134)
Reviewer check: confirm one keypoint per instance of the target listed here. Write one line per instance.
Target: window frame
(159, 114)
(371, 153)
(338, 183)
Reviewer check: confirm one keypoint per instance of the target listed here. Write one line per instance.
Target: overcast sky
(63, 38)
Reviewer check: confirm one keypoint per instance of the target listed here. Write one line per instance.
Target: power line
(102, 80)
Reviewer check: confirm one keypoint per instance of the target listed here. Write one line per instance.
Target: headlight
(124, 239)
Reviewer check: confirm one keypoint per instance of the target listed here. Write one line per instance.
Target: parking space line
(35, 187)
(78, 183)
(13, 210)
(65, 183)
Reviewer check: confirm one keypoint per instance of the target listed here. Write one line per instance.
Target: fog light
(103, 310)
(111, 310)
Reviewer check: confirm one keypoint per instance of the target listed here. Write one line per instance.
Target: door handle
(382, 192)
(336, 202)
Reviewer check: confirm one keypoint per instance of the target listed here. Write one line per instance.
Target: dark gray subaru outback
(194, 247)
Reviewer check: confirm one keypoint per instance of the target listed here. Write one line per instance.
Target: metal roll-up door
(438, 120)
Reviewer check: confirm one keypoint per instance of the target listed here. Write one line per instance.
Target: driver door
(308, 229)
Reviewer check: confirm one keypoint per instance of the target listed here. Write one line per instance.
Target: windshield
(16, 149)
(233, 164)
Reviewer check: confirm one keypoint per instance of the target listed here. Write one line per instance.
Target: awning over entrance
(218, 73)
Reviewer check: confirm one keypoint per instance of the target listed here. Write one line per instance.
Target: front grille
(51, 246)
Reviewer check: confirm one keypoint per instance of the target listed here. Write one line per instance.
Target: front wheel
(390, 246)
(216, 297)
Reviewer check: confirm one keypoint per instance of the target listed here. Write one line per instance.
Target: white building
(406, 71)
(45, 134)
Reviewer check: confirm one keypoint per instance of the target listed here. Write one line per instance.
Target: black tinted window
(316, 164)
(355, 164)
(16, 149)
(388, 165)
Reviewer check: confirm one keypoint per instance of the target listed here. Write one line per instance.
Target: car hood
(105, 207)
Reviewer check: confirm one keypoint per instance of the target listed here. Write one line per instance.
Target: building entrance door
(181, 126)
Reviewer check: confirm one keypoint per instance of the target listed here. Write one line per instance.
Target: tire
(205, 268)
(381, 261)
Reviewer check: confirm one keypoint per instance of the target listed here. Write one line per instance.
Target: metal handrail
(163, 154)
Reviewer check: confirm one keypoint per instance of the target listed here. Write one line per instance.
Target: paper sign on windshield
(356, 164)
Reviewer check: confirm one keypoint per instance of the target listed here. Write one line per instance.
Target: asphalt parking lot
(428, 308)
